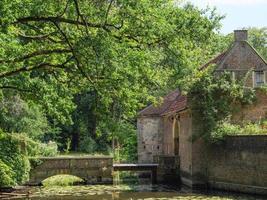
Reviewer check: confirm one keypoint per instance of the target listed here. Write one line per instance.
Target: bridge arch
(92, 169)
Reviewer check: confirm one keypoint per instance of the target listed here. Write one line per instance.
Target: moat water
(122, 192)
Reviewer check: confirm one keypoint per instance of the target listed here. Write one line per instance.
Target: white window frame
(254, 78)
(233, 75)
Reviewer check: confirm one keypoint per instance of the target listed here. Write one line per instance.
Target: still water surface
(125, 192)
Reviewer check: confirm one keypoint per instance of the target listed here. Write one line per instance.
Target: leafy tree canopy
(120, 50)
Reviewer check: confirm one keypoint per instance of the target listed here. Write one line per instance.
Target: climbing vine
(212, 97)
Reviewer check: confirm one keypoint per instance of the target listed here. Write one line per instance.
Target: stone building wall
(150, 138)
(239, 164)
(168, 138)
(254, 112)
(185, 148)
(242, 60)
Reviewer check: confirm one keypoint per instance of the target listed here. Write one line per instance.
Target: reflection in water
(123, 192)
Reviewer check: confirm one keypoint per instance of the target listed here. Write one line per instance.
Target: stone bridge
(92, 169)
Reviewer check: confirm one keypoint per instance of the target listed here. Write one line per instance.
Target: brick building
(167, 129)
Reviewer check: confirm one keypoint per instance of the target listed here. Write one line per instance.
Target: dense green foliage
(225, 128)
(6, 175)
(103, 47)
(213, 97)
(258, 39)
(86, 67)
(77, 72)
(17, 115)
(14, 152)
(11, 154)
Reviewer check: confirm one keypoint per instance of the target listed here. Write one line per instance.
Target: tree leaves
(123, 51)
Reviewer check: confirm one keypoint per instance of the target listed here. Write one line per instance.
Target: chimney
(241, 35)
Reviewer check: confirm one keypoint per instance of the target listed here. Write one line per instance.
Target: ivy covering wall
(213, 98)
(15, 150)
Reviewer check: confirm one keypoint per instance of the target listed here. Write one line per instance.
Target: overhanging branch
(56, 20)
(9, 87)
(64, 20)
(37, 53)
(28, 69)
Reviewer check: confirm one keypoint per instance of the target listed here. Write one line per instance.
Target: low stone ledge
(250, 189)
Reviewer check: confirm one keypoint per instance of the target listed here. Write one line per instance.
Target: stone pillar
(149, 138)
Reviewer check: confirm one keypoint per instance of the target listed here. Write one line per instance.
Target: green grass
(81, 154)
(62, 180)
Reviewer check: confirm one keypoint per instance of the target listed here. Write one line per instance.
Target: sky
(239, 13)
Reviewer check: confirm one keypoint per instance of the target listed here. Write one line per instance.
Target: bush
(254, 129)
(225, 128)
(33, 148)
(12, 155)
(6, 175)
(19, 116)
(123, 134)
(14, 152)
(88, 145)
(49, 149)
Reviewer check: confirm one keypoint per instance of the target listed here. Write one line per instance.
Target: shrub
(33, 148)
(19, 116)
(123, 134)
(254, 129)
(225, 128)
(6, 175)
(49, 149)
(12, 155)
(14, 152)
(88, 145)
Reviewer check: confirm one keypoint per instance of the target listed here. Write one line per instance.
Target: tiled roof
(218, 59)
(173, 102)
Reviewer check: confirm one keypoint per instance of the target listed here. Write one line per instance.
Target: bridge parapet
(93, 169)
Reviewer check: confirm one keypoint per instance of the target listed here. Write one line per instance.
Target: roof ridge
(214, 60)
(176, 98)
(166, 106)
(255, 50)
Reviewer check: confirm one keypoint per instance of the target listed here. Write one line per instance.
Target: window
(259, 78)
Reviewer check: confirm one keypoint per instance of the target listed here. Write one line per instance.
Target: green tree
(258, 39)
(19, 116)
(121, 51)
